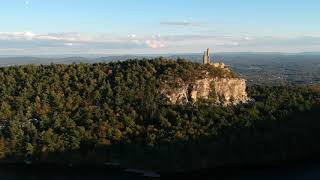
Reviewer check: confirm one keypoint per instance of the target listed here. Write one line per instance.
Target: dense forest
(113, 112)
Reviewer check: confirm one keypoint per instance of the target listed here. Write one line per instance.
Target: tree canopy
(96, 109)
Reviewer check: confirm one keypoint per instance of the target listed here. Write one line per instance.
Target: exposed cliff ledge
(223, 91)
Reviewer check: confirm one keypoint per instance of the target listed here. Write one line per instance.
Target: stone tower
(206, 56)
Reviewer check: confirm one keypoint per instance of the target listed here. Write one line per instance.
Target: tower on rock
(206, 56)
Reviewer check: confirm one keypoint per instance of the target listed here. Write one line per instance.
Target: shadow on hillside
(265, 145)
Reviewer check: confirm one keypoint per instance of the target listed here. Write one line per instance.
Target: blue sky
(162, 26)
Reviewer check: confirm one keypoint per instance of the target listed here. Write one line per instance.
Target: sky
(39, 27)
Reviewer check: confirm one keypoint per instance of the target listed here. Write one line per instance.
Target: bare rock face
(223, 91)
(230, 91)
(201, 89)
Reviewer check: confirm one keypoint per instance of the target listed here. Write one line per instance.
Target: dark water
(307, 171)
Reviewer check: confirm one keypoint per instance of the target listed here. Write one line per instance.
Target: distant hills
(227, 57)
(9, 61)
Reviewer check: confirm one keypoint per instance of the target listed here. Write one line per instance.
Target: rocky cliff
(223, 91)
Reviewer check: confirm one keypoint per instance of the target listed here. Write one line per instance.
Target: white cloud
(132, 36)
(68, 44)
(155, 44)
(248, 38)
(16, 35)
(73, 42)
(182, 23)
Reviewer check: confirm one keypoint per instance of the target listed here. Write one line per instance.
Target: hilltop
(118, 113)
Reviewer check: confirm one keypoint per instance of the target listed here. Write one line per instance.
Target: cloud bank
(181, 23)
(21, 43)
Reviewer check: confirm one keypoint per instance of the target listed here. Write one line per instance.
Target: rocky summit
(222, 89)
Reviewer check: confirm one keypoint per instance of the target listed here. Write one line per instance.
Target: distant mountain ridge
(230, 56)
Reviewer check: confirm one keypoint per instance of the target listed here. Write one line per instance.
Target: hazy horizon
(84, 55)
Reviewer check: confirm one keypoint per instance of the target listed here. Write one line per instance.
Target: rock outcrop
(223, 91)
(230, 91)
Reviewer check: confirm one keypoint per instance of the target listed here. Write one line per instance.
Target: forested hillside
(114, 112)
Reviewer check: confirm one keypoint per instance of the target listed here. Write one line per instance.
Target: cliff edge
(223, 89)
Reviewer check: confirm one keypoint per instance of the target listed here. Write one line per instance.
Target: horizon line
(155, 54)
